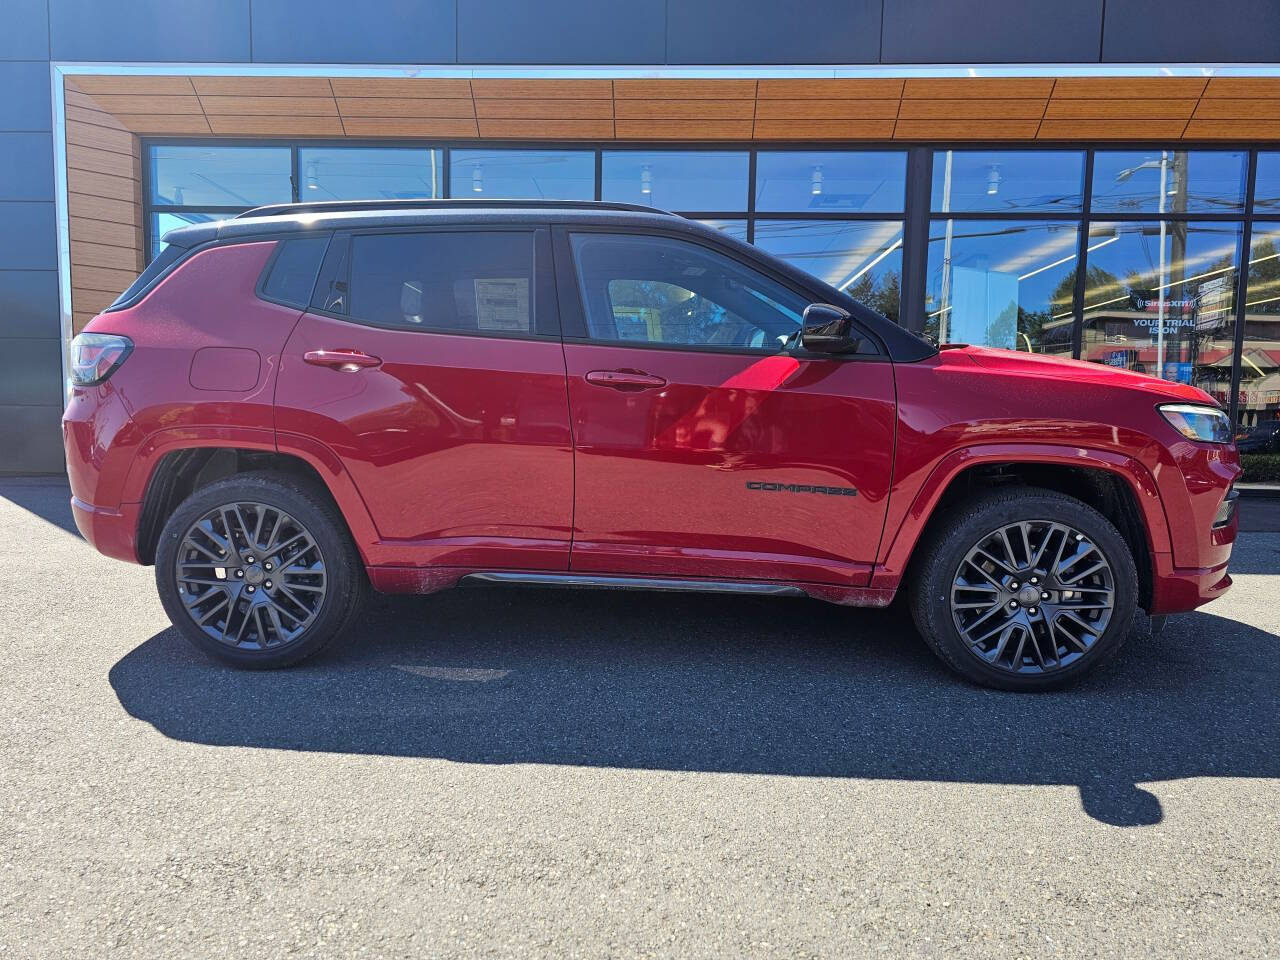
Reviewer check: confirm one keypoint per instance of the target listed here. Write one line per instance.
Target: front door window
(652, 289)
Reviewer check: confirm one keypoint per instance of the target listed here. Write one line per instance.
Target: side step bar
(583, 581)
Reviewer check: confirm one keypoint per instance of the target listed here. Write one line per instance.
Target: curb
(1259, 491)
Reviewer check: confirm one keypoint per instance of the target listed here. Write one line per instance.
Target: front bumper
(1177, 590)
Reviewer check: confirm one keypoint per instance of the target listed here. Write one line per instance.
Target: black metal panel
(31, 438)
(25, 30)
(31, 371)
(998, 31)
(561, 31)
(155, 30)
(24, 94)
(1192, 31)
(373, 31)
(26, 166)
(27, 236)
(915, 235)
(29, 304)
(763, 31)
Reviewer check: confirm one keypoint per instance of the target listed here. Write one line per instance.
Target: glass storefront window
(1160, 299)
(1266, 190)
(1002, 242)
(1169, 181)
(523, 174)
(369, 173)
(1007, 181)
(1259, 396)
(162, 223)
(734, 228)
(792, 182)
(216, 176)
(1002, 283)
(861, 257)
(694, 180)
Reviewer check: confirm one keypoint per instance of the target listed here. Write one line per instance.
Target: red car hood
(1038, 365)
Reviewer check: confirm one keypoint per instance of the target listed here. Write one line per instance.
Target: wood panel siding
(823, 129)
(402, 128)
(104, 194)
(825, 109)
(430, 88)
(263, 86)
(410, 107)
(106, 114)
(570, 129)
(529, 109)
(853, 88)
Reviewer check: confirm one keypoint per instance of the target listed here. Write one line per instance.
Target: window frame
(546, 326)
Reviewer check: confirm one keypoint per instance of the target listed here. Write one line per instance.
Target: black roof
(287, 218)
(309, 218)
(352, 206)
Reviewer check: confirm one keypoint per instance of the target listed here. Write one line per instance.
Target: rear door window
(476, 282)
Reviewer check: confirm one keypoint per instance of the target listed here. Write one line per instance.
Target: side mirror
(826, 328)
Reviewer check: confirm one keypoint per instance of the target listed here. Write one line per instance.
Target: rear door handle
(348, 361)
(625, 379)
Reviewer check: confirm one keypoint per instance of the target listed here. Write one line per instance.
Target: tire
(271, 606)
(969, 580)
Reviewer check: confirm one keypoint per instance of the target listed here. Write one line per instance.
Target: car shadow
(48, 498)
(744, 685)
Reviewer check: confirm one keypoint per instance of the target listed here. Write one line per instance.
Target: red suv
(305, 401)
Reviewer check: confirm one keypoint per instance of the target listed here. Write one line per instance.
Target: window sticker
(502, 304)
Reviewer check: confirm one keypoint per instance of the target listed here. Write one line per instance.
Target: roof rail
(344, 206)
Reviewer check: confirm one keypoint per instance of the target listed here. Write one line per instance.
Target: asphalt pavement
(520, 772)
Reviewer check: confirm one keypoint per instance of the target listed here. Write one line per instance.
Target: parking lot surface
(551, 773)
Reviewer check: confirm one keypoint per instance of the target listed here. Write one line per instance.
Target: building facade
(1092, 180)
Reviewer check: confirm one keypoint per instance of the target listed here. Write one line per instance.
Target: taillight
(96, 356)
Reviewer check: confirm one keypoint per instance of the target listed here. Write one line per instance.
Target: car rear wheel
(1024, 589)
(259, 571)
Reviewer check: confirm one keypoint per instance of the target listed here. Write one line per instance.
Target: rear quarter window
(290, 275)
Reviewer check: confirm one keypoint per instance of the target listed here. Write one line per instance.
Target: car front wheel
(258, 570)
(1024, 589)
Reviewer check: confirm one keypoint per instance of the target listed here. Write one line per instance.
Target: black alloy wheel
(250, 575)
(1033, 596)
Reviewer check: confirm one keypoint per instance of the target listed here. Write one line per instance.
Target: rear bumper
(110, 530)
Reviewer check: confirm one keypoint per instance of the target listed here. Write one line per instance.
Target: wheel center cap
(254, 574)
(1028, 596)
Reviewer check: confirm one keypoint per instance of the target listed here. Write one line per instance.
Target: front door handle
(348, 361)
(625, 379)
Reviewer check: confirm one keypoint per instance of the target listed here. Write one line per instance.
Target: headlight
(1196, 422)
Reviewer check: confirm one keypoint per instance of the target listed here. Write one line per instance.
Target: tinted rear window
(291, 274)
(469, 282)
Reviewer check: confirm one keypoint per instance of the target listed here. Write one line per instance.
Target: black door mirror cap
(827, 328)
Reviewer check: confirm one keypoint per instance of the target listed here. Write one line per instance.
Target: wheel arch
(178, 470)
(1116, 485)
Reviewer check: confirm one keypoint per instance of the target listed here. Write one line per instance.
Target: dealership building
(1098, 179)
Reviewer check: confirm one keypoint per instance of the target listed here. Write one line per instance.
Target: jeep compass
(308, 401)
